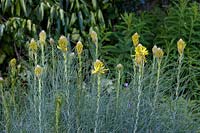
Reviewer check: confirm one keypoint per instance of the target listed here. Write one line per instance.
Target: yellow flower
(62, 44)
(13, 62)
(135, 39)
(140, 53)
(141, 50)
(79, 48)
(42, 37)
(99, 68)
(93, 35)
(181, 46)
(33, 45)
(38, 70)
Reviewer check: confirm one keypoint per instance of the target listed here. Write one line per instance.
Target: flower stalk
(38, 73)
(99, 69)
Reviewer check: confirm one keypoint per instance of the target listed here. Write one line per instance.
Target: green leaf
(23, 5)
(80, 18)
(94, 4)
(17, 7)
(73, 19)
(62, 16)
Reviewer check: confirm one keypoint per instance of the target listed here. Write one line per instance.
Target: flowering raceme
(42, 37)
(140, 53)
(79, 48)
(33, 45)
(99, 68)
(135, 39)
(62, 44)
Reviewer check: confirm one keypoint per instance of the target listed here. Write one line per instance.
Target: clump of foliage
(63, 92)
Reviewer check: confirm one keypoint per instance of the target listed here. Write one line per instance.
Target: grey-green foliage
(170, 115)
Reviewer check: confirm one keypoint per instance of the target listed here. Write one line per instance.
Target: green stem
(67, 89)
(40, 104)
(98, 102)
(96, 50)
(58, 111)
(139, 96)
(157, 87)
(178, 75)
(42, 47)
(118, 89)
(79, 92)
(53, 63)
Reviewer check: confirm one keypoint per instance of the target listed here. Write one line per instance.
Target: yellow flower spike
(159, 53)
(135, 39)
(140, 53)
(13, 62)
(141, 50)
(62, 43)
(181, 46)
(33, 45)
(79, 48)
(99, 68)
(93, 35)
(38, 71)
(42, 37)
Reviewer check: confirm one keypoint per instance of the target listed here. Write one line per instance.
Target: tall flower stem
(34, 85)
(98, 101)
(139, 96)
(67, 89)
(79, 92)
(178, 75)
(53, 63)
(40, 103)
(118, 89)
(42, 48)
(157, 87)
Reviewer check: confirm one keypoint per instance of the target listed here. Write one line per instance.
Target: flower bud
(79, 48)
(135, 39)
(42, 37)
(13, 62)
(38, 71)
(119, 67)
(181, 46)
(93, 35)
(51, 41)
